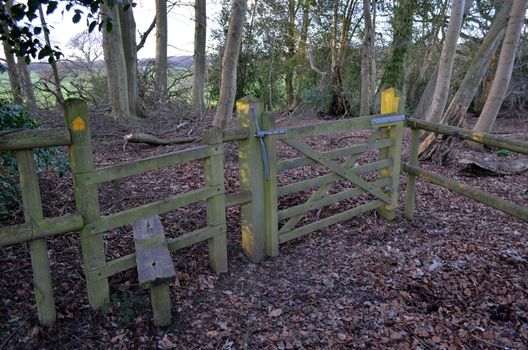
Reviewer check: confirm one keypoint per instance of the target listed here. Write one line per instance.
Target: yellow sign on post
(390, 101)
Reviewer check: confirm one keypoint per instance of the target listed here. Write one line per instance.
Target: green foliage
(503, 153)
(128, 305)
(13, 117)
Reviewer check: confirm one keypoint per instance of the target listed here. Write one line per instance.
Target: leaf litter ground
(456, 277)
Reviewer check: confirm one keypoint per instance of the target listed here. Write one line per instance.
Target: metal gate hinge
(263, 150)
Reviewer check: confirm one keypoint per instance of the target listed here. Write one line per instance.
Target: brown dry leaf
(275, 313)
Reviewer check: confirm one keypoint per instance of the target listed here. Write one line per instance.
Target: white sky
(180, 31)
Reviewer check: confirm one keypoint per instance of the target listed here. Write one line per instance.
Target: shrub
(13, 117)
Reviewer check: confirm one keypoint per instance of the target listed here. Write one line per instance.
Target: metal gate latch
(263, 150)
(389, 119)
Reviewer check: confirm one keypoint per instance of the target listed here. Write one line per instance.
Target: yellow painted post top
(390, 101)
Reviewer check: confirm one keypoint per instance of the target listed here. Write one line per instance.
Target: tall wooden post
(29, 188)
(252, 179)
(410, 193)
(86, 200)
(270, 189)
(390, 104)
(214, 177)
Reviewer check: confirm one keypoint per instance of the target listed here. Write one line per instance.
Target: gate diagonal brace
(338, 169)
(260, 134)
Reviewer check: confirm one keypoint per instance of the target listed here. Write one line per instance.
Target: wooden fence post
(252, 179)
(410, 193)
(390, 104)
(270, 189)
(29, 188)
(86, 200)
(216, 216)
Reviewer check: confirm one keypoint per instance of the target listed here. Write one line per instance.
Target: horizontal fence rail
(135, 167)
(413, 170)
(466, 134)
(16, 140)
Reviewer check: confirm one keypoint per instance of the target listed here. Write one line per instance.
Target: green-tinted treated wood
(292, 222)
(301, 231)
(328, 200)
(154, 262)
(394, 132)
(161, 305)
(109, 222)
(270, 189)
(35, 138)
(129, 261)
(329, 127)
(214, 176)
(139, 166)
(465, 134)
(86, 200)
(341, 152)
(39, 229)
(330, 178)
(235, 134)
(505, 206)
(251, 180)
(29, 188)
(240, 198)
(410, 193)
(338, 169)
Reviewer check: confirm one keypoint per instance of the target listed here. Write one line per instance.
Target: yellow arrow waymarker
(78, 124)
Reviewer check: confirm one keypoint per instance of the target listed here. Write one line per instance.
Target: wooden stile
(155, 267)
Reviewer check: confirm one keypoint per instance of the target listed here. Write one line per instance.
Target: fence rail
(414, 171)
(17, 140)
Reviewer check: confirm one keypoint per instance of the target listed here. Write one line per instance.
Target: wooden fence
(258, 195)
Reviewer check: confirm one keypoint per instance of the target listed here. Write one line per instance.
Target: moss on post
(33, 214)
(86, 200)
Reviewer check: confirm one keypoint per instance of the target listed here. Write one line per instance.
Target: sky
(180, 31)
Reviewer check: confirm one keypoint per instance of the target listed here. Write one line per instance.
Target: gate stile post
(270, 189)
(214, 176)
(29, 188)
(390, 104)
(86, 200)
(252, 214)
(410, 193)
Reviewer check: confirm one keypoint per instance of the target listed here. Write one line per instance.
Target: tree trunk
(402, 36)
(161, 49)
(455, 113)
(26, 86)
(504, 68)
(128, 34)
(52, 62)
(115, 65)
(229, 63)
(290, 51)
(200, 37)
(366, 64)
(447, 58)
(303, 52)
(427, 97)
(12, 71)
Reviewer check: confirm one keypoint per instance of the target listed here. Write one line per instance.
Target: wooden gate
(381, 190)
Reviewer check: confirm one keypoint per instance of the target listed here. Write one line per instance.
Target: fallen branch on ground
(139, 137)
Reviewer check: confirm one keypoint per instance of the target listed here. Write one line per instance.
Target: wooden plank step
(154, 262)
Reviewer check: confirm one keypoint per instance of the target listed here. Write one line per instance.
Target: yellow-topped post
(391, 104)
